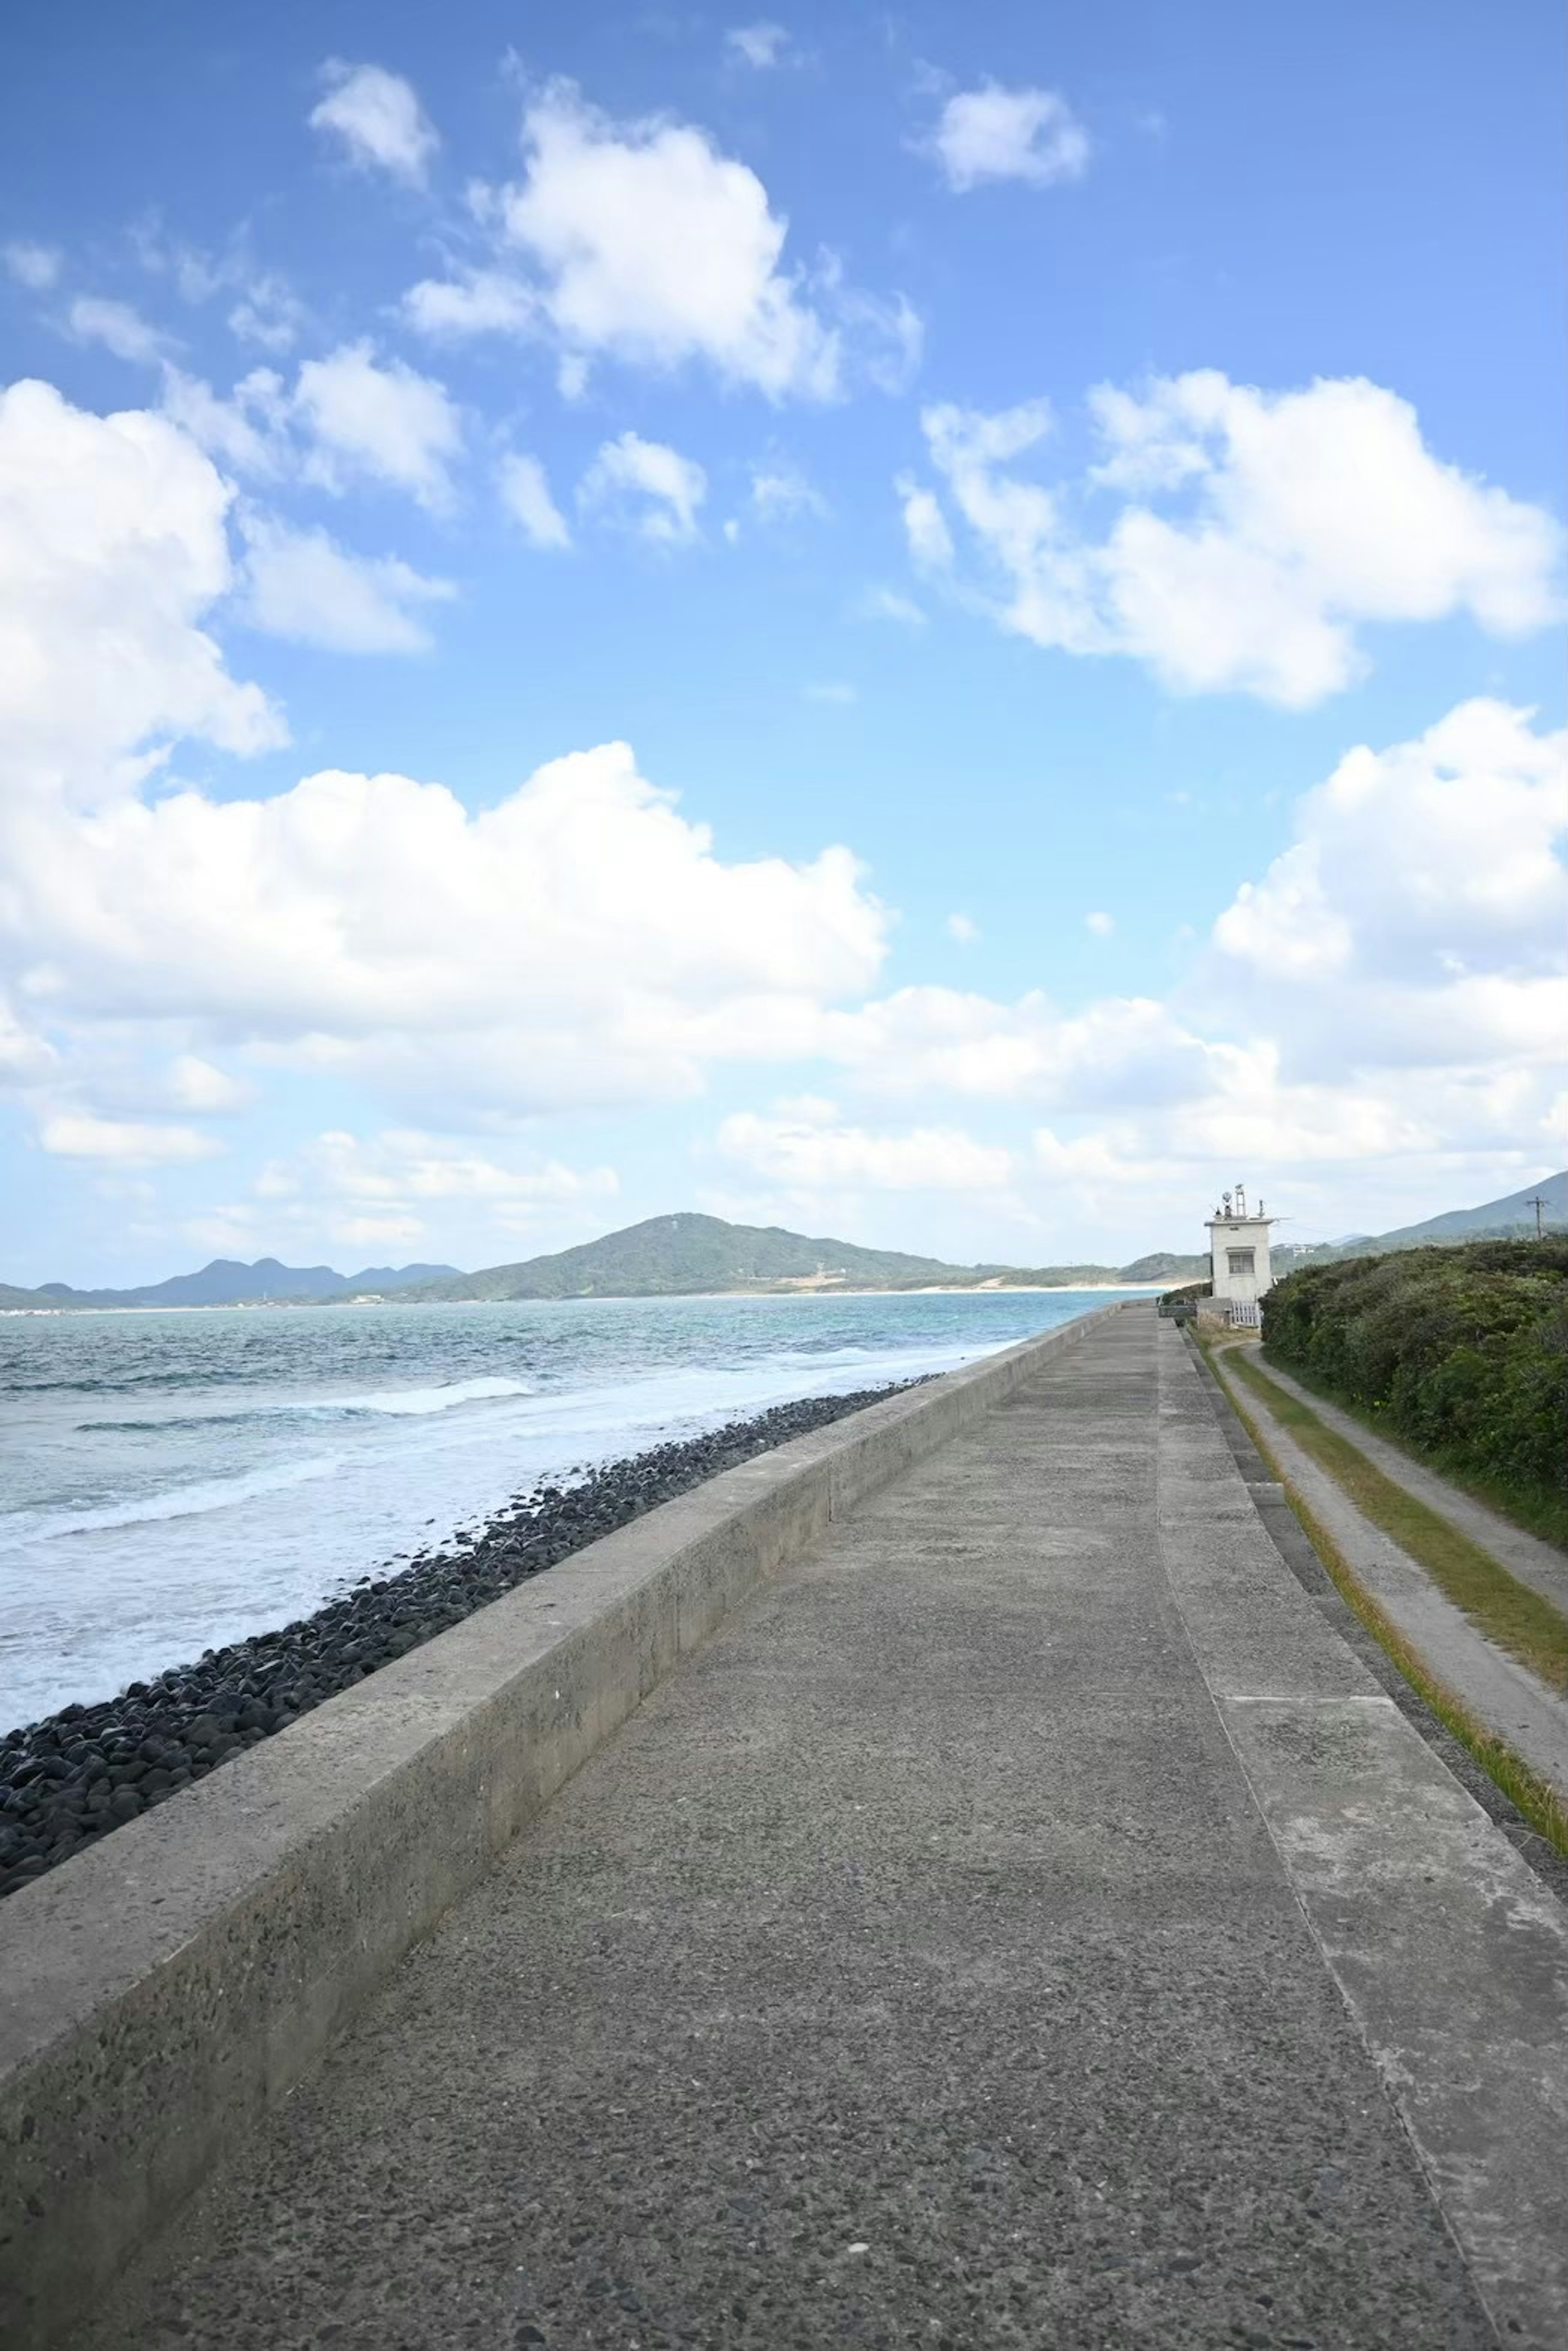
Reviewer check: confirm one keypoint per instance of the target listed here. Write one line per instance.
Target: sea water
(169, 1482)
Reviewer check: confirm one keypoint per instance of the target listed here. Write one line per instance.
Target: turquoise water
(172, 1481)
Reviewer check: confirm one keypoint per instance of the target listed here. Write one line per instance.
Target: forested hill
(671, 1257)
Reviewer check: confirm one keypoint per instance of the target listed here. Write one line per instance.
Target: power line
(1537, 1203)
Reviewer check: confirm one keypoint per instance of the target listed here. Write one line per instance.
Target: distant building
(1238, 1256)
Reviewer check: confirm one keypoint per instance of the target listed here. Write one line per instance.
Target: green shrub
(1462, 1351)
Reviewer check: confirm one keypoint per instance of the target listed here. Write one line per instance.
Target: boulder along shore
(83, 1772)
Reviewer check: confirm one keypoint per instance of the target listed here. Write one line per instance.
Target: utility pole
(1537, 1203)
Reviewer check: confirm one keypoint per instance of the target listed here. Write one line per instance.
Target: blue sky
(1063, 510)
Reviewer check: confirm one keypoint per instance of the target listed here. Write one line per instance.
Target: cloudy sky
(940, 625)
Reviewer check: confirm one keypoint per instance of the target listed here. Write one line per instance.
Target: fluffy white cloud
(526, 494)
(268, 313)
(925, 526)
(1423, 907)
(347, 417)
(302, 585)
(118, 327)
(480, 302)
(654, 486)
(386, 423)
(641, 242)
(761, 45)
(579, 942)
(1101, 923)
(36, 266)
(1301, 517)
(781, 492)
(812, 1152)
(378, 118)
(389, 1183)
(993, 134)
(113, 548)
(128, 1143)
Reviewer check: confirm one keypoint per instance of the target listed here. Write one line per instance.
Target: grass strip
(1534, 1798)
(1516, 1618)
(1537, 1509)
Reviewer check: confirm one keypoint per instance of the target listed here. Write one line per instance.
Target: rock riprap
(72, 1779)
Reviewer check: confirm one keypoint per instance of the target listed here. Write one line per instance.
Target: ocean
(169, 1482)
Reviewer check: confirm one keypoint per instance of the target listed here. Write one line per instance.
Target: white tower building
(1238, 1256)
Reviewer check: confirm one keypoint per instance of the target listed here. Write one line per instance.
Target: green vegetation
(1461, 1353)
(1534, 1797)
(1512, 1614)
(672, 1257)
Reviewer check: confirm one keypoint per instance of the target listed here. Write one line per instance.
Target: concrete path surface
(1540, 1565)
(1504, 1693)
(1025, 1924)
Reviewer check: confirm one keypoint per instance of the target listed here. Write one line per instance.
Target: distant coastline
(611, 1297)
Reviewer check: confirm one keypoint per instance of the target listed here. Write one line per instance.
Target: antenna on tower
(1240, 1199)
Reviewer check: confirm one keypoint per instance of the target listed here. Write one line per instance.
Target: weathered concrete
(982, 1941)
(1504, 1693)
(1539, 1564)
(1451, 1953)
(163, 1988)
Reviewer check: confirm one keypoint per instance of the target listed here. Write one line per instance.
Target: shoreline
(75, 1775)
(630, 1298)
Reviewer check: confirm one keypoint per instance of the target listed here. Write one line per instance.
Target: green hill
(672, 1257)
(1509, 1218)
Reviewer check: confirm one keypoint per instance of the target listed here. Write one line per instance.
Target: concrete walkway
(1525, 1712)
(1540, 1565)
(1025, 1924)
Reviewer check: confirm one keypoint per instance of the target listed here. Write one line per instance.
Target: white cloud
(1423, 907)
(480, 302)
(887, 604)
(993, 134)
(300, 584)
(384, 422)
(578, 942)
(198, 1085)
(781, 492)
(641, 242)
(964, 928)
(268, 313)
(378, 117)
(401, 1173)
(833, 691)
(925, 526)
(113, 549)
(526, 494)
(36, 266)
(810, 1154)
(119, 327)
(761, 47)
(657, 488)
(248, 430)
(1102, 924)
(131, 1143)
(1302, 516)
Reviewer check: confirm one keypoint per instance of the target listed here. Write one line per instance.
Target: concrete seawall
(166, 1988)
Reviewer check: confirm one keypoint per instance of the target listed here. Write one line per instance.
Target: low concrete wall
(165, 1988)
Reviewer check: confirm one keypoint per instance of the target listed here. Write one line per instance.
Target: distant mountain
(1510, 1219)
(671, 1257)
(227, 1283)
(1493, 1220)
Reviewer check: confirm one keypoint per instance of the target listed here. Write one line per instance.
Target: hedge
(1463, 1351)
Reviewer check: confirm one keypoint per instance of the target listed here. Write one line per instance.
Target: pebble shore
(70, 1780)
